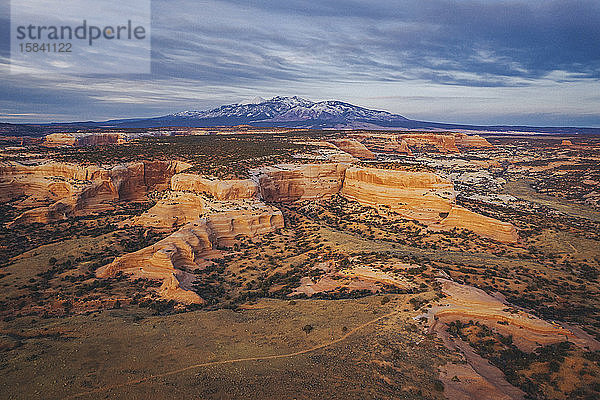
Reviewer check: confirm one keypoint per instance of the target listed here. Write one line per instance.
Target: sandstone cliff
(422, 196)
(82, 139)
(417, 195)
(291, 182)
(174, 210)
(492, 228)
(191, 246)
(354, 148)
(442, 142)
(55, 190)
(219, 189)
(464, 140)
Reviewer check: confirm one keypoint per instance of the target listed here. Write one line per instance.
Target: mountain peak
(286, 111)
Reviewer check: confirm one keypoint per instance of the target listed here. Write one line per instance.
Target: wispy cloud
(385, 54)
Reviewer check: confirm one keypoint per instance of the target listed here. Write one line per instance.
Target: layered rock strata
(417, 195)
(219, 189)
(292, 182)
(192, 245)
(354, 148)
(55, 190)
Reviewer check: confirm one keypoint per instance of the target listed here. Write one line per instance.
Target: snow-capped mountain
(296, 112)
(279, 111)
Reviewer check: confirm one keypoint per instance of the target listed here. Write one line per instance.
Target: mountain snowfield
(291, 109)
(296, 112)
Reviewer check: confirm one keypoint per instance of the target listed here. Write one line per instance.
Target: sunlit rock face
(292, 182)
(219, 189)
(82, 139)
(354, 148)
(482, 225)
(418, 195)
(422, 196)
(56, 190)
(189, 247)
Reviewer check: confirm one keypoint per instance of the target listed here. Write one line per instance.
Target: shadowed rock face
(55, 190)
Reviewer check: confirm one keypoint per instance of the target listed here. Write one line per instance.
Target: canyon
(208, 212)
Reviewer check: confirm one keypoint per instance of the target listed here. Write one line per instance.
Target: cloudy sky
(462, 61)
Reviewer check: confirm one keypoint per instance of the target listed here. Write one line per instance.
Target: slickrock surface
(482, 225)
(354, 147)
(219, 189)
(466, 303)
(418, 195)
(176, 209)
(192, 245)
(291, 182)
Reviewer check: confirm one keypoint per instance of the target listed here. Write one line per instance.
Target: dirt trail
(522, 189)
(235, 360)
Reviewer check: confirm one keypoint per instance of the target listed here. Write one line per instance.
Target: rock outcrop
(417, 195)
(464, 140)
(219, 189)
(292, 182)
(482, 225)
(55, 190)
(174, 210)
(466, 303)
(566, 142)
(441, 142)
(82, 139)
(395, 146)
(354, 148)
(191, 246)
(421, 196)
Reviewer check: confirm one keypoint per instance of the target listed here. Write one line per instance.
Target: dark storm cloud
(491, 39)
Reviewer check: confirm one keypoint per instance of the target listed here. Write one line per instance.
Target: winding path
(235, 360)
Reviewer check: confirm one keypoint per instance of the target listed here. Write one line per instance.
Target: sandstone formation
(191, 246)
(396, 146)
(482, 225)
(417, 195)
(466, 303)
(291, 182)
(464, 140)
(82, 139)
(441, 142)
(219, 189)
(174, 210)
(354, 148)
(405, 143)
(566, 142)
(422, 196)
(55, 190)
